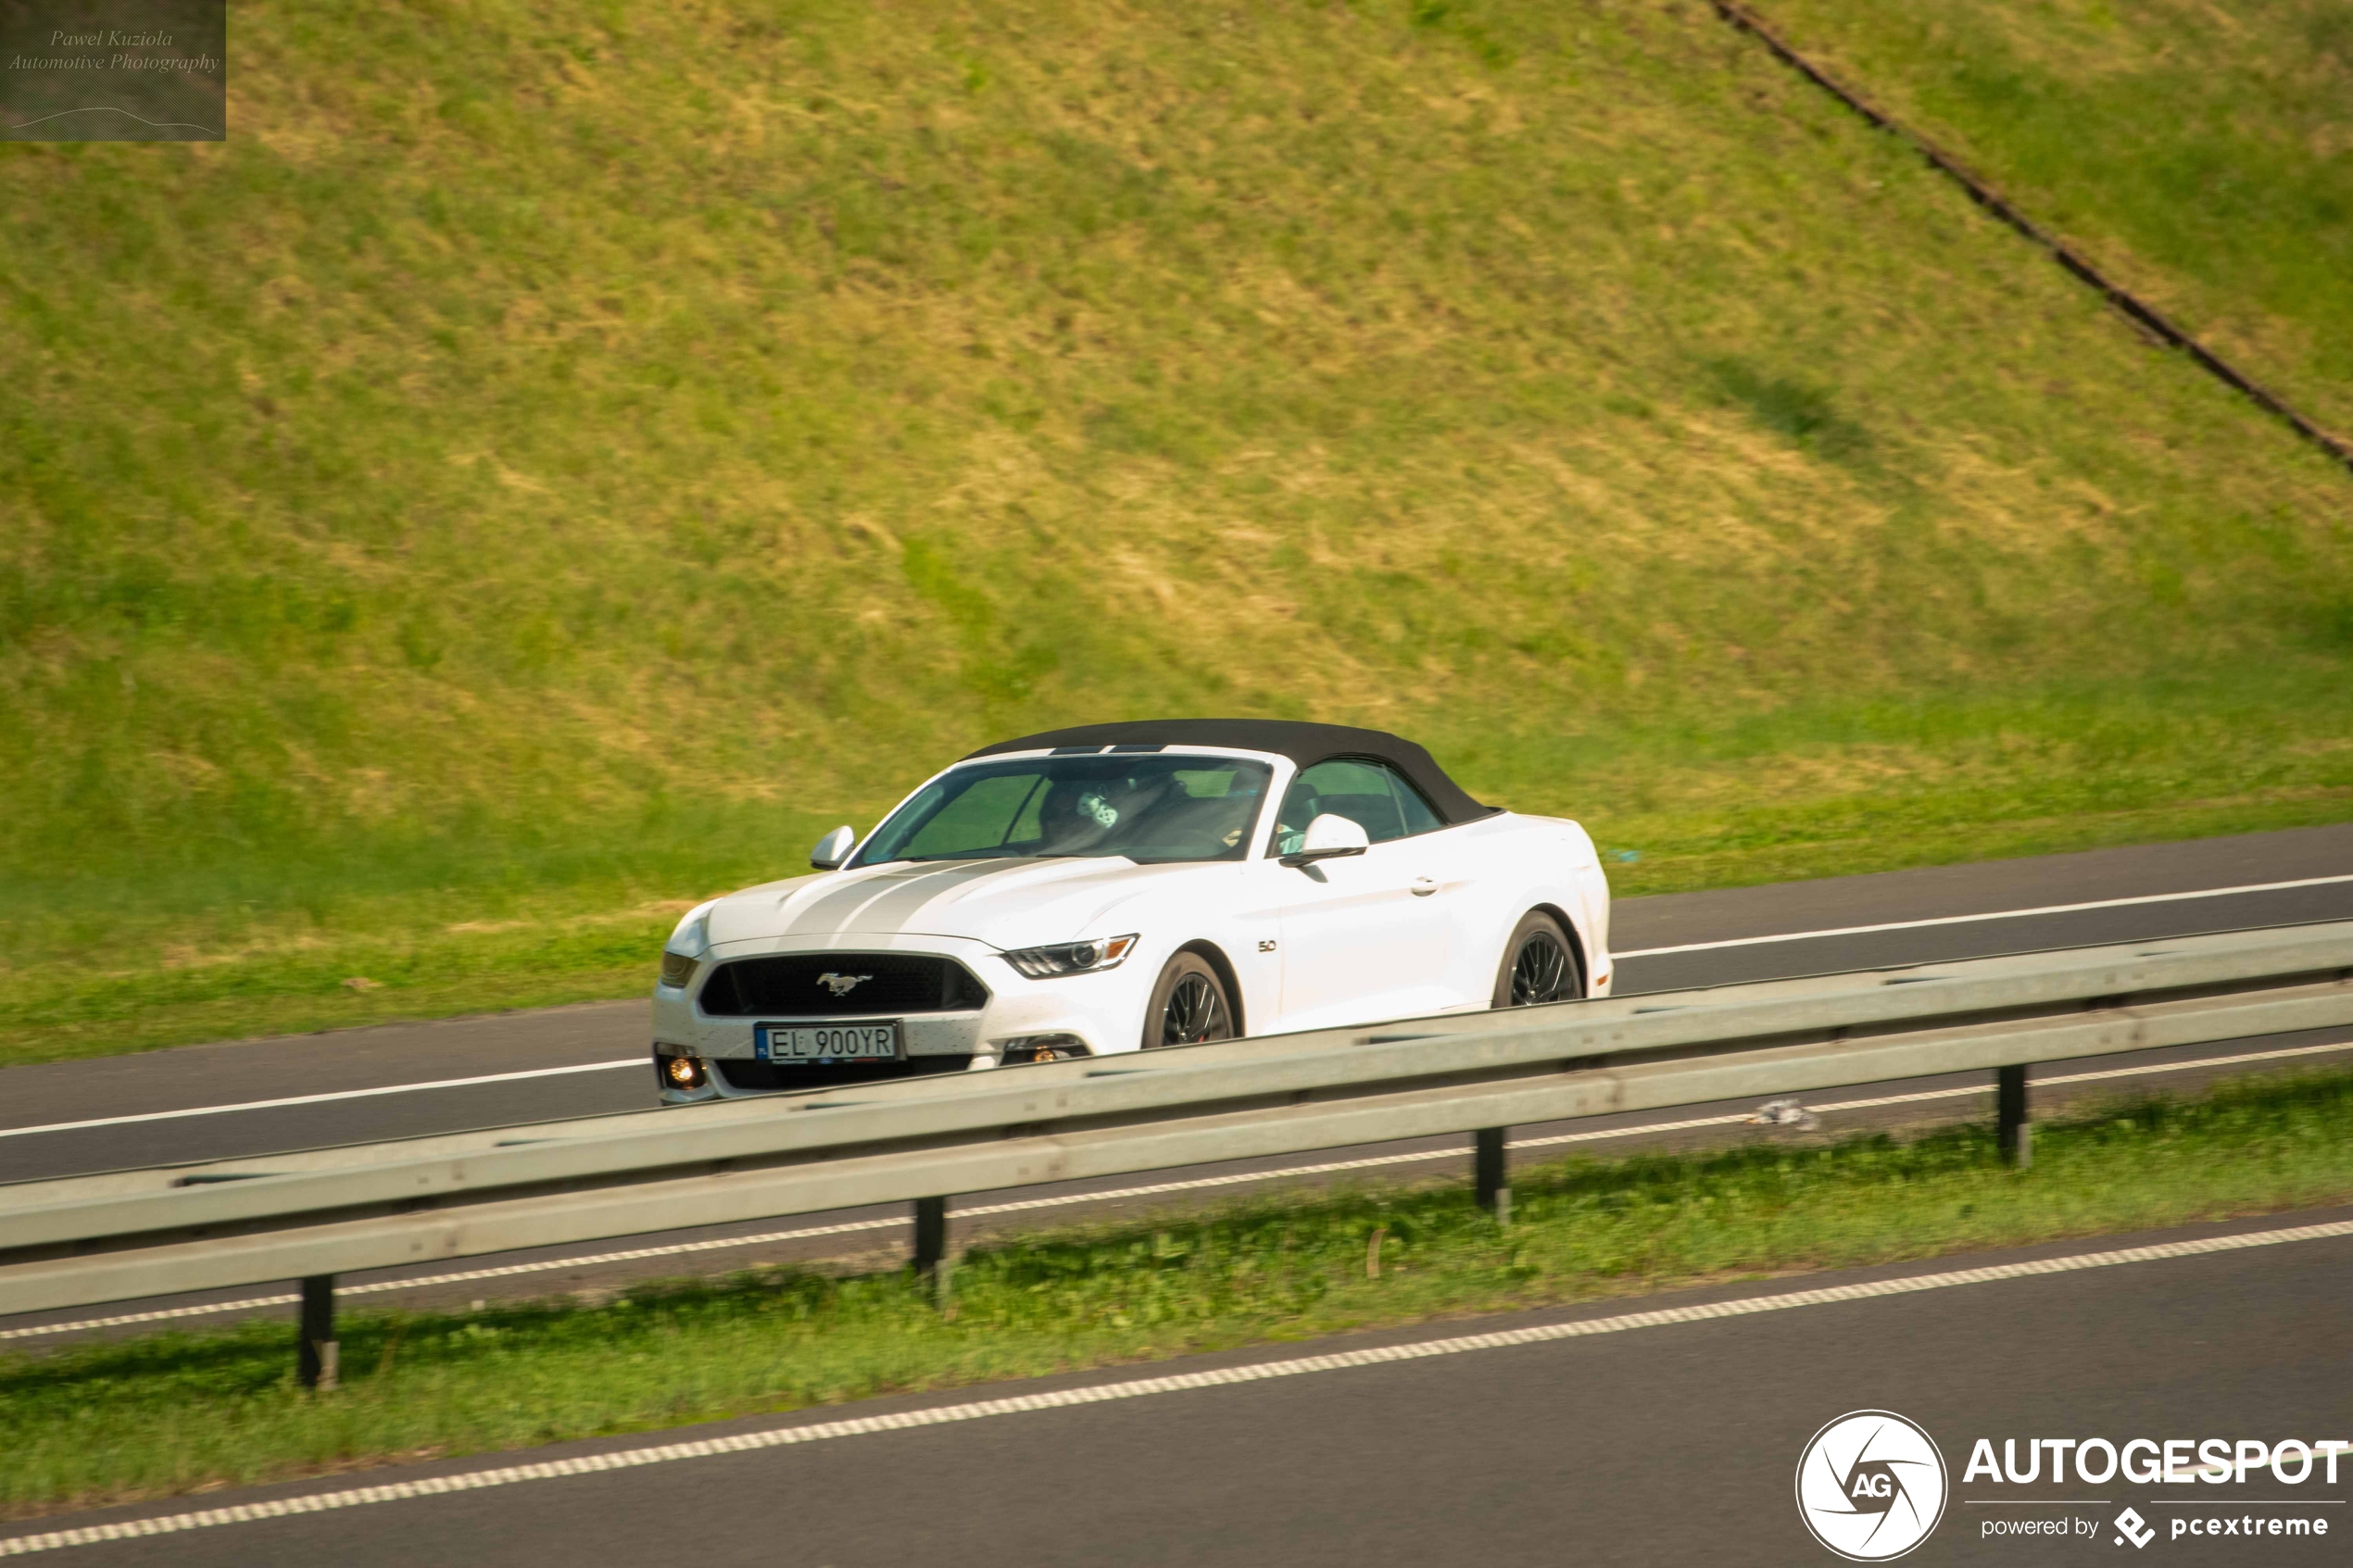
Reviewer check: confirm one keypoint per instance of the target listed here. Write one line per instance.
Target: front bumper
(1096, 1013)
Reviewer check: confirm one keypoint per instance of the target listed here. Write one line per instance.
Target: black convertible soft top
(1303, 744)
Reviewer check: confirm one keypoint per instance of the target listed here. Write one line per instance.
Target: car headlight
(678, 969)
(1071, 958)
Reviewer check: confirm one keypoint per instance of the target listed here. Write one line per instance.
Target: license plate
(827, 1042)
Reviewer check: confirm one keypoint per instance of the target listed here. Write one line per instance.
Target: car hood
(1003, 903)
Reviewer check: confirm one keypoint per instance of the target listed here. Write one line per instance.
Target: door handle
(1423, 887)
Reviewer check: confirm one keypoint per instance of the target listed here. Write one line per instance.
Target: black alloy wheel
(1189, 1006)
(1539, 965)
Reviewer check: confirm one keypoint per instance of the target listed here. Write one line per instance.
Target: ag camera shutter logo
(1871, 1486)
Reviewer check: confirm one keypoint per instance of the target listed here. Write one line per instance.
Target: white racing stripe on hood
(885, 902)
(1011, 902)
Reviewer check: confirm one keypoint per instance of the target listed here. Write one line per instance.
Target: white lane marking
(1144, 1387)
(320, 1099)
(1637, 953)
(1154, 1189)
(1998, 914)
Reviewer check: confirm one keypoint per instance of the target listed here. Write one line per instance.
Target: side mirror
(1329, 837)
(833, 849)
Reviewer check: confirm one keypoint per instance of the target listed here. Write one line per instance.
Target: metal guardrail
(311, 1215)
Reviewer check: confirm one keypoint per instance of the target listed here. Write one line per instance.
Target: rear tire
(1539, 965)
(1189, 1006)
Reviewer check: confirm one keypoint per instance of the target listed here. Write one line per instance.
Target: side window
(1372, 795)
(1411, 807)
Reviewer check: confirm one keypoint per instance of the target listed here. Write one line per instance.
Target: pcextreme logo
(1870, 1486)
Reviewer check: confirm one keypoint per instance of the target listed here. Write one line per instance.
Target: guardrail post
(2012, 1130)
(315, 1356)
(1490, 1176)
(931, 1246)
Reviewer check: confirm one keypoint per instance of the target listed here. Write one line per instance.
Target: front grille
(742, 1073)
(788, 985)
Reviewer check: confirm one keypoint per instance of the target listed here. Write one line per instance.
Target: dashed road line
(1141, 1387)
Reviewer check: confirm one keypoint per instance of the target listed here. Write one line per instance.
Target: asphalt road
(363, 1084)
(583, 1060)
(1672, 1440)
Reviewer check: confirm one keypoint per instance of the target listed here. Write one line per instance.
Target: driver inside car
(1078, 814)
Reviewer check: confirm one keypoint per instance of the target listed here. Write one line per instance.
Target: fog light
(1043, 1048)
(682, 1071)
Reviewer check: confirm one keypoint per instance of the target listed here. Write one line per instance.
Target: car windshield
(1155, 806)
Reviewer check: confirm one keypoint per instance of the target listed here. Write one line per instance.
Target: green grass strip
(181, 1411)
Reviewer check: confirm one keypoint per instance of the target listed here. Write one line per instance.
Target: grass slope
(181, 1411)
(2204, 154)
(555, 459)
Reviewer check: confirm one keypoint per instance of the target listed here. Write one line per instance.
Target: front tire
(1539, 965)
(1190, 1005)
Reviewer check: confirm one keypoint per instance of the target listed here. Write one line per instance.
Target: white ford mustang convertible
(1122, 886)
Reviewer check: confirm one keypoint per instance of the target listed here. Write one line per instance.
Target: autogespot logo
(1870, 1486)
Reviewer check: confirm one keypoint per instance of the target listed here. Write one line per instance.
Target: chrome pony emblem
(841, 985)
